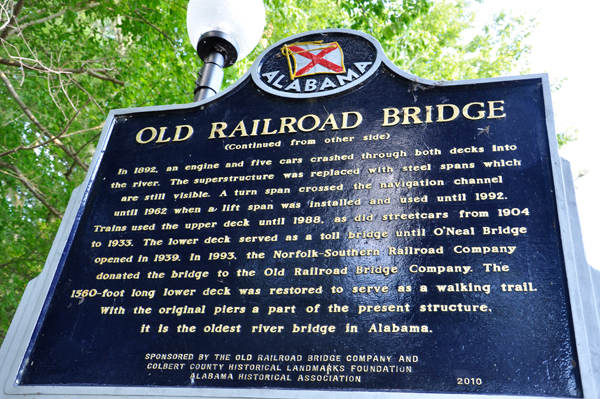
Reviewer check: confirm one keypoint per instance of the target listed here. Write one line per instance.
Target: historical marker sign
(330, 223)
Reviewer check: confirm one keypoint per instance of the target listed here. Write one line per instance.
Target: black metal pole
(218, 50)
(210, 77)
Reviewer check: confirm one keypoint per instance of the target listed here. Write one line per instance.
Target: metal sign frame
(582, 279)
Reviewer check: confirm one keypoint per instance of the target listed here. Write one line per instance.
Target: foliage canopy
(64, 64)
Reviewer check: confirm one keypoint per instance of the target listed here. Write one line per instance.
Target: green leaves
(437, 48)
(67, 63)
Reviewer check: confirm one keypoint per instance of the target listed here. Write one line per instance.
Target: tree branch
(99, 73)
(153, 27)
(88, 142)
(19, 262)
(34, 146)
(12, 30)
(93, 73)
(16, 31)
(68, 174)
(37, 123)
(27, 183)
(39, 21)
(80, 87)
(51, 139)
(13, 19)
(100, 126)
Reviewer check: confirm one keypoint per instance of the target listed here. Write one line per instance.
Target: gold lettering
(161, 138)
(330, 121)
(390, 113)
(178, 132)
(407, 114)
(265, 131)
(455, 112)
(315, 118)
(359, 119)
(493, 109)
(287, 123)
(218, 127)
(138, 137)
(428, 109)
(239, 128)
(255, 123)
(480, 113)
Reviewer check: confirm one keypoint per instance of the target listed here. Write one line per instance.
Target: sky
(565, 45)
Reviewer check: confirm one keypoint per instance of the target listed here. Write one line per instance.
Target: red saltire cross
(316, 59)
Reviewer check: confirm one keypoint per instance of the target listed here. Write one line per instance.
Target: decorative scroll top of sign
(313, 58)
(317, 64)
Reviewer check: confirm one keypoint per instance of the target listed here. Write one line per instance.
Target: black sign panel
(330, 223)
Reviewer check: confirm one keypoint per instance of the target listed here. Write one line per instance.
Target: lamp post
(222, 32)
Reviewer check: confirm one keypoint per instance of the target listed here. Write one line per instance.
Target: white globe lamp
(222, 32)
